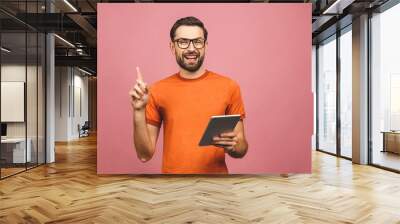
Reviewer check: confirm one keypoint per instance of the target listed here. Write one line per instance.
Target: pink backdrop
(266, 48)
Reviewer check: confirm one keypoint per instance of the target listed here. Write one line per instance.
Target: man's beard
(191, 67)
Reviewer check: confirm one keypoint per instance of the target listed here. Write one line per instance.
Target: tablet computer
(217, 125)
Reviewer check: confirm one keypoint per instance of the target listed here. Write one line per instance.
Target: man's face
(189, 47)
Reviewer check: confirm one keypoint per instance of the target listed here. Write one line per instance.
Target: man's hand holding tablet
(227, 140)
(220, 132)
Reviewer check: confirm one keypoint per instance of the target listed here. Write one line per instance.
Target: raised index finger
(140, 81)
(139, 74)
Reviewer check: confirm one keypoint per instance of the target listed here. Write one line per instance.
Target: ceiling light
(5, 50)
(64, 40)
(338, 6)
(84, 71)
(70, 5)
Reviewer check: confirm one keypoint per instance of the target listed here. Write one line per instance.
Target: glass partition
(13, 110)
(22, 77)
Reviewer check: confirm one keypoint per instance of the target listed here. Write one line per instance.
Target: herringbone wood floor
(69, 191)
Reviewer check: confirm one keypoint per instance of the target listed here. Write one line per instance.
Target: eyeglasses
(185, 43)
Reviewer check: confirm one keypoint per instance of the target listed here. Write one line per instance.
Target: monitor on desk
(3, 130)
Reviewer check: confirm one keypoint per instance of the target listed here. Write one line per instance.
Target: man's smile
(191, 58)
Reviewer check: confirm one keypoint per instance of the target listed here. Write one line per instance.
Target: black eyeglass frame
(191, 41)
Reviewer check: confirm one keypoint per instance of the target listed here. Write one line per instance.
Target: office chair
(84, 130)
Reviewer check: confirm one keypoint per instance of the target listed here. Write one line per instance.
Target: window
(327, 95)
(385, 88)
(346, 74)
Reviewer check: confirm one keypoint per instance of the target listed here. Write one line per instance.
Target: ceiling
(76, 22)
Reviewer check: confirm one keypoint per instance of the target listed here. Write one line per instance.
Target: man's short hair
(187, 21)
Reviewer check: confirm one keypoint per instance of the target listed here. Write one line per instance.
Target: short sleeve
(236, 105)
(152, 111)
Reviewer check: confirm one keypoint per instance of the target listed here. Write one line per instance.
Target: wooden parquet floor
(70, 191)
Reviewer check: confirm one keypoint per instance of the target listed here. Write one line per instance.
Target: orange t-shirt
(185, 107)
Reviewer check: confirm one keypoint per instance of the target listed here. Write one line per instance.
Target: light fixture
(70, 5)
(5, 50)
(84, 71)
(80, 51)
(64, 40)
(337, 7)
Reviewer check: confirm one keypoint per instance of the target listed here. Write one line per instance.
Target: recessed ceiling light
(337, 7)
(64, 40)
(70, 5)
(5, 50)
(84, 71)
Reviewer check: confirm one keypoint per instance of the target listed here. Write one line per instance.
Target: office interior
(48, 89)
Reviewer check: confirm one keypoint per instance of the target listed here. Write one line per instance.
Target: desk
(391, 141)
(13, 150)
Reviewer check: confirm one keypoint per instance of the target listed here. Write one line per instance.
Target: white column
(360, 90)
(50, 91)
(50, 82)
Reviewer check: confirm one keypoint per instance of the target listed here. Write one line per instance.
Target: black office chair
(84, 130)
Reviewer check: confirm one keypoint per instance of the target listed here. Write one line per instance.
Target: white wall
(81, 102)
(71, 92)
(12, 73)
(61, 103)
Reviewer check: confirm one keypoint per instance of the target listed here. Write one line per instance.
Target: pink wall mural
(265, 48)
